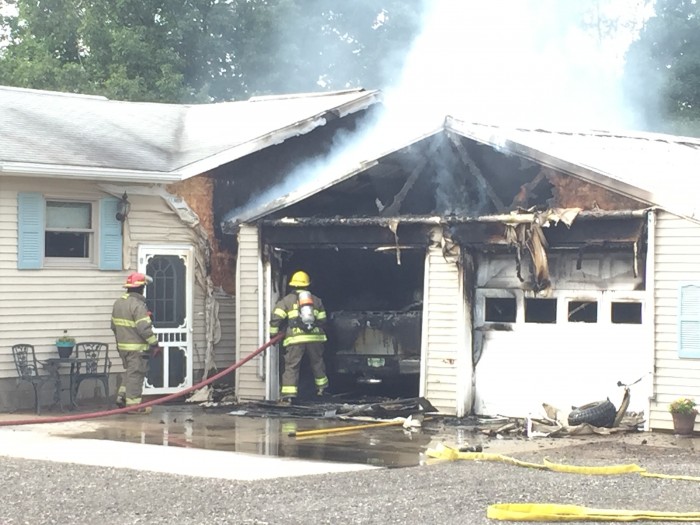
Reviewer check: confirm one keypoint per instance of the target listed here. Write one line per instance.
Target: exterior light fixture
(123, 208)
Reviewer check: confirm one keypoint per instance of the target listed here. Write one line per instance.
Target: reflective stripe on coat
(131, 324)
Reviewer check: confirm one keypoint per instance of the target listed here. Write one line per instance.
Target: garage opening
(374, 302)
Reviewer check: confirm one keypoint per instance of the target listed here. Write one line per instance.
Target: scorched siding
(152, 222)
(248, 299)
(442, 325)
(677, 261)
(225, 347)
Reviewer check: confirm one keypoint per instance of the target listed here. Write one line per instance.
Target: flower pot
(64, 350)
(683, 424)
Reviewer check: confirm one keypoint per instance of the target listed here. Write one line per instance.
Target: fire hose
(159, 401)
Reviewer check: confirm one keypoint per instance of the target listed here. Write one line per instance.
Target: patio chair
(28, 371)
(96, 368)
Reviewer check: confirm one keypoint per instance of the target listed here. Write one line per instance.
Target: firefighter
(133, 330)
(303, 317)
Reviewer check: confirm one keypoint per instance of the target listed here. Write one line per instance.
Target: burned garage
(479, 273)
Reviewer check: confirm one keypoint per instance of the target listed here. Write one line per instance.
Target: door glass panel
(177, 369)
(165, 296)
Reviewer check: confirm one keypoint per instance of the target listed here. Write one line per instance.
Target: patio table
(54, 366)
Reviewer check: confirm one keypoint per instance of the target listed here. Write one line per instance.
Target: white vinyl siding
(36, 306)
(677, 263)
(443, 333)
(248, 309)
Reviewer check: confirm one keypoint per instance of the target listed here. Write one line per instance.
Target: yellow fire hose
(554, 512)
(549, 512)
(333, 430)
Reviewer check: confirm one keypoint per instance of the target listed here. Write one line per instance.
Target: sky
(518, 61)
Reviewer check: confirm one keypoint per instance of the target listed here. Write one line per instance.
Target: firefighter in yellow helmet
(133, 330)
(303, 317)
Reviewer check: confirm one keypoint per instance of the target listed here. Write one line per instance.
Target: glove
(153, 351)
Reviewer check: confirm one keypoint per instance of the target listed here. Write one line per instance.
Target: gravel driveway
(36, 492)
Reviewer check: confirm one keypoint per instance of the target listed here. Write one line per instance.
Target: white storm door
(169, 298)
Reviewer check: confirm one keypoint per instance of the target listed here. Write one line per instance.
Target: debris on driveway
(554, 424)
(365, 409)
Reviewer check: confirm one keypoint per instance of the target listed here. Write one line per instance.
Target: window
(540, 310)
(64, 232)
(499, 309)
(583, 312)
(68, 231)
(626, 313)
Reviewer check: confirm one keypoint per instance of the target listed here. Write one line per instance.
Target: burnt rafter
(474, 171)
(395, 206)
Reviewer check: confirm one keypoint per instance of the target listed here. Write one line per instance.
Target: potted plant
(65, 345)
(683, 410)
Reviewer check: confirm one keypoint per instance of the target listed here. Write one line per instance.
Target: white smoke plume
(549, 64)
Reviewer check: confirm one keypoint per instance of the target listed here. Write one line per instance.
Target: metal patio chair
(28, 371)
(97, 367)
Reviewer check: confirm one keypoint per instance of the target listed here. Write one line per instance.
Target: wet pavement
(267, 434)
(216, 429)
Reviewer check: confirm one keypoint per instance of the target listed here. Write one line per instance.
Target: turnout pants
(135, 370)
(292, 364)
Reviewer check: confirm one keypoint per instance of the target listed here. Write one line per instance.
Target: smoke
(542, 63)
(531, 63)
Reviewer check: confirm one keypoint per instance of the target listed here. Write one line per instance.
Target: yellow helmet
(300, 280)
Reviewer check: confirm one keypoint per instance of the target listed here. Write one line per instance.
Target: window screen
(68, 229)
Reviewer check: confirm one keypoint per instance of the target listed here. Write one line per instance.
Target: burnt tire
(598, 414)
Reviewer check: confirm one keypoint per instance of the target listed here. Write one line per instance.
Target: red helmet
(137, 280)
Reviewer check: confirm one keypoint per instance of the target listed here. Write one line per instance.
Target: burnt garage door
(374, 302)
(568, 348)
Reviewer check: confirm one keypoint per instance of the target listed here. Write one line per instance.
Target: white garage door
(568, 349)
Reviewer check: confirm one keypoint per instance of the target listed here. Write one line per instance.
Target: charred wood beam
(522, 198)
(395, 206)
(474, 170)
(510, 218)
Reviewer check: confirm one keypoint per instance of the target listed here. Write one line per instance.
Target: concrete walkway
(33, 442)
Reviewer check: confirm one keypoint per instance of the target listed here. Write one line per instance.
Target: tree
(663, 67)
(196, 50)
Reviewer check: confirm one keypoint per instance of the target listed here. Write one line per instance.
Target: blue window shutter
(689, 320)
(110, 235)
(30, 230)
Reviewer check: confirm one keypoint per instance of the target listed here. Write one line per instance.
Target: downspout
(650, 312)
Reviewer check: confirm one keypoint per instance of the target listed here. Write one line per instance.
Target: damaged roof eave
(505, 218)
(574, 169)
(278, 136)
(230, 225)
(58, 171)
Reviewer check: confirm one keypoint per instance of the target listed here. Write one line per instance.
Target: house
(542, 267)
(91, 189)
(490, 269)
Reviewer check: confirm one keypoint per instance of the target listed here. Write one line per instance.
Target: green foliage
(199, 50)
(683, 405)
(663, 67)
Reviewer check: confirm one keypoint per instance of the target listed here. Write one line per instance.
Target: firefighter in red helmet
(133, 330)
(303, 316)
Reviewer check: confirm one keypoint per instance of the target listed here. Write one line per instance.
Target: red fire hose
(102, 413)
